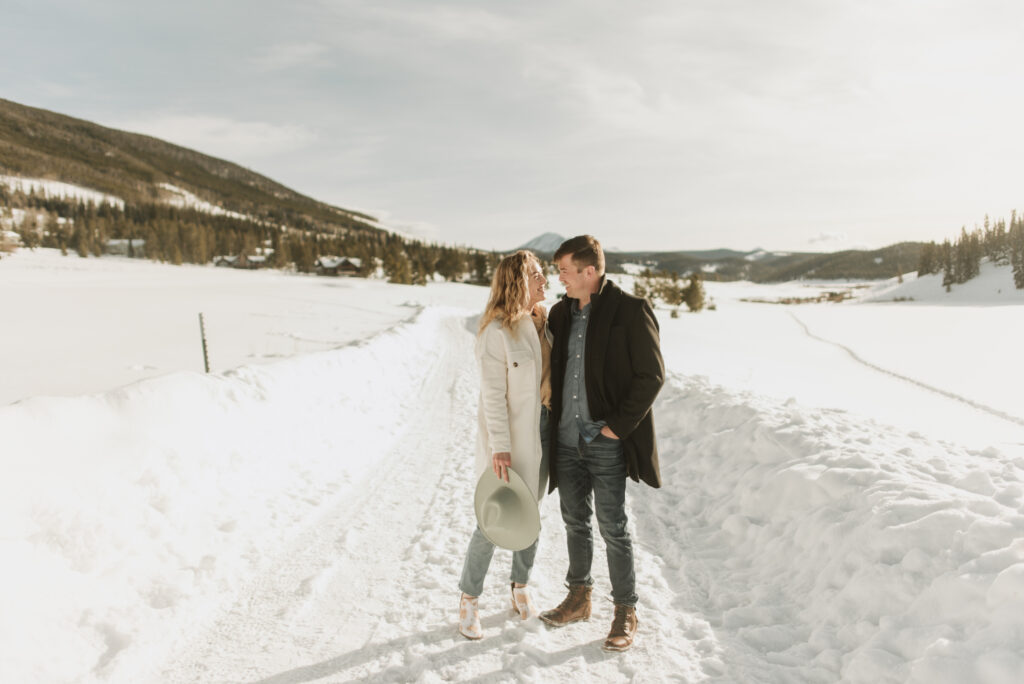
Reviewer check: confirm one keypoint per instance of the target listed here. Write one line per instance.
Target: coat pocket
(522, 379)
(519, 363)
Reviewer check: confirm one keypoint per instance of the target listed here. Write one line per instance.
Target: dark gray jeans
(481, 550)
(592, 478)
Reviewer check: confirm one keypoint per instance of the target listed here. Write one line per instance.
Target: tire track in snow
(945, 393)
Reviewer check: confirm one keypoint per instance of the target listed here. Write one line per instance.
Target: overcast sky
(675, 124)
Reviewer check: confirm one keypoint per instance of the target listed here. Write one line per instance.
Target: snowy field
(843, 499)
(80, 326)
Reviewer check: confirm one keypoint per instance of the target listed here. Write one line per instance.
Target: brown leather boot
(575, 607)
(620, 638)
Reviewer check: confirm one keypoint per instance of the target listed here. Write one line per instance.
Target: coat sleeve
(490, 354)
(648, 370)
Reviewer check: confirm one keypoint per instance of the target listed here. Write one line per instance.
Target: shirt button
(574, 396)
(577, 356)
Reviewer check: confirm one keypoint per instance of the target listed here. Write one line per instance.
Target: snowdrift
(824, 547)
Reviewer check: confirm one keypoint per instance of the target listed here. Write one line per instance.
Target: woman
(514, 358)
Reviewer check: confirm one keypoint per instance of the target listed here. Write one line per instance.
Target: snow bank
(826, 548)
(994, 285)
(127, 518)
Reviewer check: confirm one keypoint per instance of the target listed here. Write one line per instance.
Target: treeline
(669, 288)
(960, 260)
(179, 235)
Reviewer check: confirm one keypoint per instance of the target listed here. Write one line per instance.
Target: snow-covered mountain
(546, 243)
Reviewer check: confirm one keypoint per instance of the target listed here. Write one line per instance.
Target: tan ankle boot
(469, 618)
(620, 638)
(575, 607)
(522, 604)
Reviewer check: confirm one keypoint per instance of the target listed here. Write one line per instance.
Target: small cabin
(338, 266)
(130, 247)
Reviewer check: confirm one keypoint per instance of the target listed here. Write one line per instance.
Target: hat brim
(506, 512)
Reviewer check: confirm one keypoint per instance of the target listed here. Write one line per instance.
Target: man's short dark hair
(585, 251)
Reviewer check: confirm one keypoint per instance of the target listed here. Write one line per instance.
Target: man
(606, 370)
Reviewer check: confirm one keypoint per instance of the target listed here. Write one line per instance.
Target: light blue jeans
(480, 551)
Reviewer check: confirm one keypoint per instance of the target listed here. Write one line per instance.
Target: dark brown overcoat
(624, 373)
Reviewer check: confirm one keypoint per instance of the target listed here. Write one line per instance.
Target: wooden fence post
(202, 334)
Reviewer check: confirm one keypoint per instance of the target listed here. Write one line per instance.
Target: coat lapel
(605, 302)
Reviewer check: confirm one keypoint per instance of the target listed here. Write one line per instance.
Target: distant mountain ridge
(36, 143)
(545, 243)
(759, 265)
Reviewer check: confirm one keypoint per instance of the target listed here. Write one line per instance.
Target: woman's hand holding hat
(501, 462)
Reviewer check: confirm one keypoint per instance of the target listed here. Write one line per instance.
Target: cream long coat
(509, 413)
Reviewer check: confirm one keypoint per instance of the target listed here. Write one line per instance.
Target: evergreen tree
(80, 239)
(694, 293)
(302, 252)
(481, 276)
(670, 290)
(1016, 249)
(99, 237)
(396, 264)
(282, 254)
(947, 266)
(451, 264)
(641, 288)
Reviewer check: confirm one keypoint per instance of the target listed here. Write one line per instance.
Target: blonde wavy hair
(510, 294)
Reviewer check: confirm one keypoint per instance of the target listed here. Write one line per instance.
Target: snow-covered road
(789, 544)
(368, 591)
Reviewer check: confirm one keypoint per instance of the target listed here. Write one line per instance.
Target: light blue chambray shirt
(575, 419)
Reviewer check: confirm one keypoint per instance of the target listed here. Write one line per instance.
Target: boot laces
(619, 621)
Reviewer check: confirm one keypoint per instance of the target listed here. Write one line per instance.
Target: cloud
(837, 240)
(439, 22)
(290, 55)
(221, 136)
(57, 90)
(829, 239)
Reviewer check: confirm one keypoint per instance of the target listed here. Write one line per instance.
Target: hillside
(766, 267)
(41, 144)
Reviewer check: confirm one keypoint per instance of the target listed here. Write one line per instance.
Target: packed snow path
(867, 364)
(369, 592)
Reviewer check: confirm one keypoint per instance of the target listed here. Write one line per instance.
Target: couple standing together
(587, 375)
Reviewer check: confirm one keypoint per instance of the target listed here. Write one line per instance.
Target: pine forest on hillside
(960, 260)
(180, 235)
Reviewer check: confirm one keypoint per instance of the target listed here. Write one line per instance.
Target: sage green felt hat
(506, 512)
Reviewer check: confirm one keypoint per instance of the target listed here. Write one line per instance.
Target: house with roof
(130, 247)
(338, 265)
(9, 241)
(253, 261)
